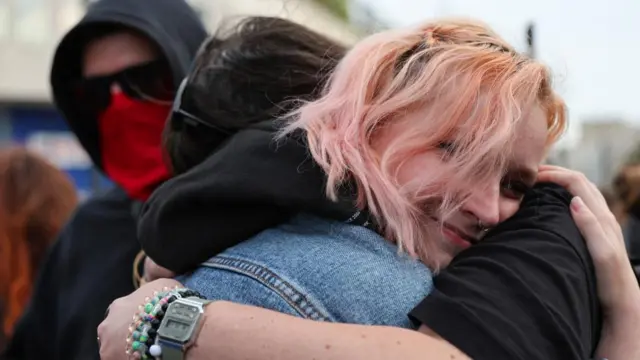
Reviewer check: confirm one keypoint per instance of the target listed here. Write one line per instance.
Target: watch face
(177, 326)
(179, 322)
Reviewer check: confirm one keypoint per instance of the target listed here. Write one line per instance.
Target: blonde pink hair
(449, 80)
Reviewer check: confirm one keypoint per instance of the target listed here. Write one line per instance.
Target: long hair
(36, 200)
(448, 81)
(246, 76)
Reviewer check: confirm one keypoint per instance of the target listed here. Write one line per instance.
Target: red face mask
(130, 139)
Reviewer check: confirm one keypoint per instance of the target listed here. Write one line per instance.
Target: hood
(250, 183)
(172, 24)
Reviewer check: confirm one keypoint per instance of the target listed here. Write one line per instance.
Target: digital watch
(180, 326)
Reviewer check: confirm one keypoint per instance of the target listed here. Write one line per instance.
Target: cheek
(418, 169)
(508, 208)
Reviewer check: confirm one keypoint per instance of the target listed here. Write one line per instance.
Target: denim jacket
(318, 269)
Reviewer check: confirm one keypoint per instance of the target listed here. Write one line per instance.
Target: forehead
(115, 52)
(530, 141)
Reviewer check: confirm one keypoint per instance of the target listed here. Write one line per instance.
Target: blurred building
(603, 147)
(29, 33)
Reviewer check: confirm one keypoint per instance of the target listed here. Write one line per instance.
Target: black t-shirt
(528, 291)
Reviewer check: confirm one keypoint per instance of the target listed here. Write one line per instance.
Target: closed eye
(514, 189)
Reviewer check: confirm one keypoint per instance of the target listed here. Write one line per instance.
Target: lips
(457, 236)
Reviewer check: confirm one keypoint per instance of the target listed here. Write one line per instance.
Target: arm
(232, 331)
(617, 287)
(620, 335)
(210, 202)
(228, 326)
(526, 293)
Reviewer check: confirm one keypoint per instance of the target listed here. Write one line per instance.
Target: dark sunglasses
(181, 118)
(151, 81)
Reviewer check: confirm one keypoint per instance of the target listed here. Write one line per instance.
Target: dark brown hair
(252, 74)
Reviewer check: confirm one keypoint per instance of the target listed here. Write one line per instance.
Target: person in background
(36, 199)
(626, 187)
(113, 78)
(614, 203)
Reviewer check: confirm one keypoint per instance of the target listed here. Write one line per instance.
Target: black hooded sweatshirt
(527, 291)
(251, 182)
(91, 263)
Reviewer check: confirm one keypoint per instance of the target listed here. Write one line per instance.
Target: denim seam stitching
(266, 277)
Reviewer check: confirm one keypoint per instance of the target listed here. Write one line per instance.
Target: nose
(484, 204)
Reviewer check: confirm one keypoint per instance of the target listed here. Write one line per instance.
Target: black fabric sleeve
(527, 291)
(249, 184)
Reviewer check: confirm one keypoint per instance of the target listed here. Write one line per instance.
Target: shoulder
(540, 239)
(545, 210)
(306, 239)
(531, 283)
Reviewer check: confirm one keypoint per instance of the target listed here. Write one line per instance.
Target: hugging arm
(526, 292)
(274, 335)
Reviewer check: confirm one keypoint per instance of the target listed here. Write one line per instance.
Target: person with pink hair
(433, 137)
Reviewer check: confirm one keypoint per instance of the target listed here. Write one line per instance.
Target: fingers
(566, 178)
(591, 229)
(578, 185)
(100, 337)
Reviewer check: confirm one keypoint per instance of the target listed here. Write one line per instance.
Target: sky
(592, 47)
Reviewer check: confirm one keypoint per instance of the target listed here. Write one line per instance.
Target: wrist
(626, 311)
(211, 330)
(625, 299)
(618, 339)
(181, 325)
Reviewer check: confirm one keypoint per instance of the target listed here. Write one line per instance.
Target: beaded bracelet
(145, 323)
(141, 342)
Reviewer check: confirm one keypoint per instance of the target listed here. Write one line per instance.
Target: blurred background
(592, 47)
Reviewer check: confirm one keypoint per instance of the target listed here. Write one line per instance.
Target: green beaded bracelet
(138, 338)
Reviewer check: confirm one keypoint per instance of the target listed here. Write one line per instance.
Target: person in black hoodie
(113, 78)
